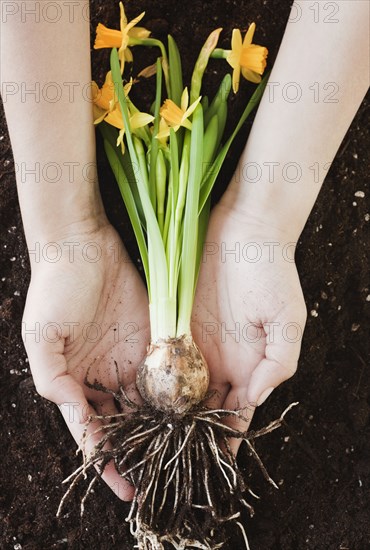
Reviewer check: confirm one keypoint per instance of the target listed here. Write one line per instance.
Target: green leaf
(211, 175)
(175, 71)
(123, 184)
(158, 275)
(190, 233)
(220, 97)
(110, 134)
(155, 144)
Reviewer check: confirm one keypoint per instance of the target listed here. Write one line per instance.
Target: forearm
(45, 75)
(317, 84)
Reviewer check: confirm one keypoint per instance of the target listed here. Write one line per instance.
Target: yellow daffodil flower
(104, 98)
(111, 38)
(246, 58)
(107, 108)
(137, 120)
(175, 116)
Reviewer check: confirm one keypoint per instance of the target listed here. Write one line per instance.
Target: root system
(187, 481)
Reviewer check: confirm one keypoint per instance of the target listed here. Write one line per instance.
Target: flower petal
(107, 38)
(236, 48)
(123, 16)
(139, 32)
(115, 118)
(164, 131)
(138, 120)
(251, 76)
(254, 57)
(103, 97)
(171, 113)
(99, 114)
(249, 35)
(192, 108)
(236, 78)
(133, 22)
(163, 134)
(184, 99)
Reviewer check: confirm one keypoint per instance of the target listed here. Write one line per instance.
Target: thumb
(283, 345)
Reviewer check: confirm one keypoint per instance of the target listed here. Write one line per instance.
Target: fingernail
(264, 395)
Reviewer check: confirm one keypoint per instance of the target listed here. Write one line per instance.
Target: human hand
(249, 312)
(83, 313)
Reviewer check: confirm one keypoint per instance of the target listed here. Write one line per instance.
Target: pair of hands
(84, 312)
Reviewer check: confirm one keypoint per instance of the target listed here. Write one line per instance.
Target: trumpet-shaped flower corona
(246, 58)
(112, 38)
(104, 98)
(176, 116)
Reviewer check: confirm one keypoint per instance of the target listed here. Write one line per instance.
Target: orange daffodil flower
(107, 108)
(111, 38)
(246, 58)
(174, 116)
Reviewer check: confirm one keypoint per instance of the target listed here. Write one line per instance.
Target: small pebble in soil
(367, 217)
(29, 477)
(324, 296)
(354, 203)
(17, 293)
(339, 308)
(314, 313)
(360, 194)
(13, 258)
(355, 327)
(368, 298)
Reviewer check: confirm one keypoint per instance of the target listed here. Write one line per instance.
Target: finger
(90, 434)
(106, 408)
(282, 351)
(237, 399)
(217, 395)
(52, 381)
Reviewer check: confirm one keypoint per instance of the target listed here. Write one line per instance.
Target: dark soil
(320, 459)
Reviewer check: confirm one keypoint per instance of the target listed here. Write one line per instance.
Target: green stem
(162, 317)
(220, 53)
(154, 42)
(190, 231)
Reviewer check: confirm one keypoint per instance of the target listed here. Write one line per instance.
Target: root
(188, 486)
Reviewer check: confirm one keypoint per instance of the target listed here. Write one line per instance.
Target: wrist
(76, 238)
(263, 214)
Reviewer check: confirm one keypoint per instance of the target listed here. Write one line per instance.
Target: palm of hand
(249, 311)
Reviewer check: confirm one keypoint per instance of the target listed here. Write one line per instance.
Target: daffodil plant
(169, 160)
(166, 162)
